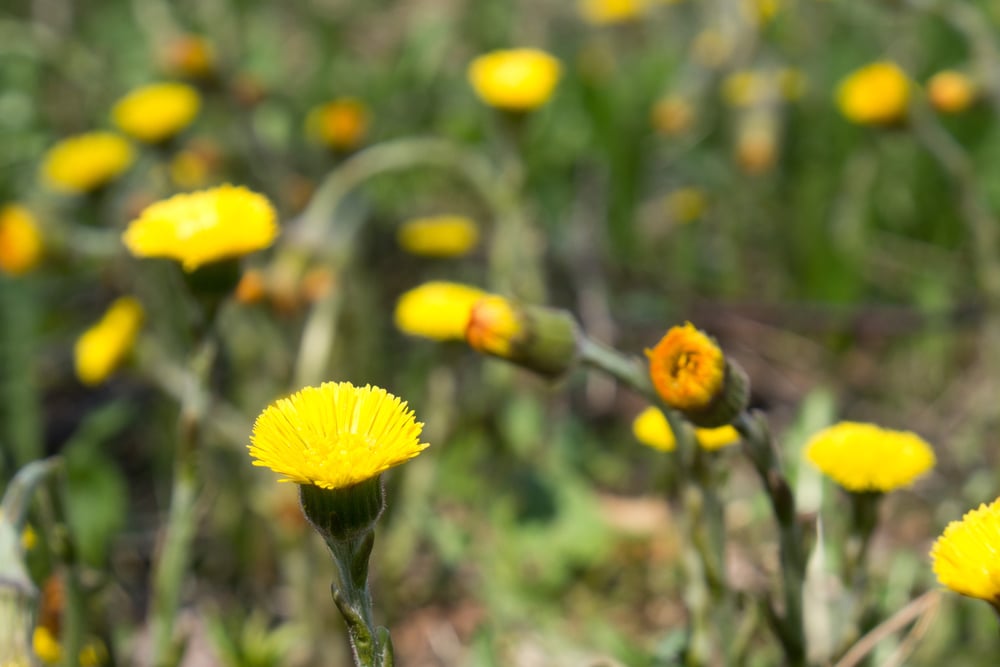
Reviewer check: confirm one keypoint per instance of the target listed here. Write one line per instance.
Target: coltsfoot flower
(336, 435)
(685, 205)
(651, 428)
(203, 227)
(672, 115)
(340, 124)
(439, 236)
(515, 79)
(964, 557)
(20, 240)
(437, 310)
(610, 12)
(156, 112)
(877, 94)
(867, 458)
(951, 92)
(85, 162)
(189, 56)
(101, 349)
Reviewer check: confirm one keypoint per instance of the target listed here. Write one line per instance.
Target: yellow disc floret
(203, 227)
(437, 310)
(156, 112)
(336, 435)
(964, 557)
(867, 458)
(515, 79)
(687, 368)
(85, 162)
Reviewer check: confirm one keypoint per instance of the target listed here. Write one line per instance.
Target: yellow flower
(340, 124)
(964, 557)
(102, 347)
(437, 310)
(29, 538)
(864, 457)
(251, 288)
(711, 48)
(86, 162)
(672, 115)
(156, 112)
(20, 240)
(493, 326)
(336, 435)
(687, 368)
(651, 428)
(203, 227)
(609, 12)
(515, 79)
(189, 56)
(686, 204)
(877, 94)
(951, 92)
(441, 236)
(46, 646)
(744, 88)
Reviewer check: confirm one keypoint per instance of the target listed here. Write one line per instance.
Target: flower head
(494, 326)
(189, 56)
(437, 310)
(20, 240)
(203, 227)
(85, 162)
(964, 557)
(336, 435)
(686, 204)
(651, 428)
(672, 115)
(340, 124)
(156, 112)
(515, 79)
(687, 368)
(102, 347)
(866, 458)
(441, 236)
(951, 92)
(877, 94)
(609, 12)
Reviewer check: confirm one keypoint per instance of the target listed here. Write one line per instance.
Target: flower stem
(370, 646)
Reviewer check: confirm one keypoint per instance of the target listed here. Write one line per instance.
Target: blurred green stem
(19, 311)
(181, 525)
(759, 447)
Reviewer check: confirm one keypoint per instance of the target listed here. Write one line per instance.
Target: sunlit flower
(336, 435)
(865, 457)
(437, 310)
(493, 326)
(85, 162)
(20, 240)
(686, 204)
(877, 94)
(203, 227)
(340, 124)
(156, 112)
(189, 56)
(100, 350)
(439, 236)
(515, 79)
(651, 428)
(609, 12)
(672, 115)
(951, 92)
(687, 368)
(964, 557)
(46, 646)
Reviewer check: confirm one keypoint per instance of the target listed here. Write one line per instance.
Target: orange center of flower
(687, 368)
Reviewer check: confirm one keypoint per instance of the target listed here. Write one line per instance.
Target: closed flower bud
(951, 92)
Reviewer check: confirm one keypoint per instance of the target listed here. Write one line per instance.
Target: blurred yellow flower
(515, 79)
(46, 646)
(687, 368)
(189, 56)
(85, 162)
(792, 83)
(744, 88)
(864, 457)
(439, 236)
(336, 435)
(20, 240)
(340, 124)
(609, 12)
(876, 94)
(437, 310)
(156, 112)
(711, 49)
(29, 538)
(951, 92)
(651, 428)
(672, 115)
(964, 557)
(686, 204)
(493, 326)
(251, 288)
(203, 227)
(102, 347)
